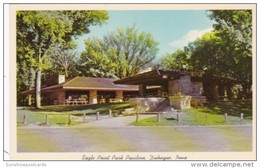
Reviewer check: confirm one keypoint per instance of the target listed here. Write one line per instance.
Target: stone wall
(150, 104)
(61, 97)
(119, 95)
(53, 98)
(180, 102)
(93, 97)
(185, 86)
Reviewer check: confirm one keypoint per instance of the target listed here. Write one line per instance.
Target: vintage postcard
(132, 82)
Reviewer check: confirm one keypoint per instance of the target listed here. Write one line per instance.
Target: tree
(227, 50)
(63, 57)
(120, 54)
(38, 30)
(235, 25)
(235, 29)
(205, 55)
(176, 60)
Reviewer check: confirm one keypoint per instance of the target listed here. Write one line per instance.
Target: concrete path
(113, 135)
(122, 121)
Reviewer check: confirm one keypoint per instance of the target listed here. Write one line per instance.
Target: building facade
(84, 90)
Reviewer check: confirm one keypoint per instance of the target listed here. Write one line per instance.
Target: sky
(173, 29)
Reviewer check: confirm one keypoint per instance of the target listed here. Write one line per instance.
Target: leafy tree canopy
(119, 54)
(225, 51)
(176, 60)
(37, 31)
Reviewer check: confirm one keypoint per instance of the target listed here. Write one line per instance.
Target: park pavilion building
(83, 90)
(171, 83)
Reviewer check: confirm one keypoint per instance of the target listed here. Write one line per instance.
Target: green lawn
(214, 111)
(59, 115)
(232, 108)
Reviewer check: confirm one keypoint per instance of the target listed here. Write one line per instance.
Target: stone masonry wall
(188, 88)
(119, 95)
(93, 97)
(61, 97)
(185, 86)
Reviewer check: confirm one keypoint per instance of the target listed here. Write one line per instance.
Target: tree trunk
(31, 84)
(66, 72)
(30, 100)
(38, 89)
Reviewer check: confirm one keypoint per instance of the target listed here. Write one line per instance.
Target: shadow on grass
(211, 113)
(79, 109)
(58, 115)
(231, 108)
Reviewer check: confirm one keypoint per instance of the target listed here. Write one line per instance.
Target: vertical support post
(229, 92)
(226, 116)
(215, 91)
(178, 117)
(69, 120)
(110, 113)
(93, 97)
(119, 95)
(84, 117)
(47, 123)
(206, 116)
(221, 91)
(241, 117)
(197, 115)
(24, 119)
(137, 117)
(142, 89)
(97, 116)
(29, 100)
(158, 117)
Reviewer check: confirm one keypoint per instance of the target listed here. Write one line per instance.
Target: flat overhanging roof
(155, 77)
(160, 77)
(86, 84)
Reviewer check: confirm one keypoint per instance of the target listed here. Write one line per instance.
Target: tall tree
(120, 54)
(228, 49)
(234, 27)
(38, 30)
(63, 57)
(176, 60)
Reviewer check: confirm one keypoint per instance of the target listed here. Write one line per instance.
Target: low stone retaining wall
(149, 103)
(180, 102)
(184, 102)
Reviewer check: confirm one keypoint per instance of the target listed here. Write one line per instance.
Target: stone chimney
(61, 79)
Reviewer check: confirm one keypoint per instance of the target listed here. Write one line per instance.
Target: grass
(80, 108)
(232, 108)
(58, 115)
(214, 111)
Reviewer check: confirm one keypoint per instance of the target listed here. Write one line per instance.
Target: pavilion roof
(158, 77)
(154, 77)
(88, 83)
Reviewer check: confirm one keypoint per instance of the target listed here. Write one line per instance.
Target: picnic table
(114, 100)
(75, 101)
(102, 101)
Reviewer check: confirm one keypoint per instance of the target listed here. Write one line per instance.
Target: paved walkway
(115, 121)
(113, 135)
